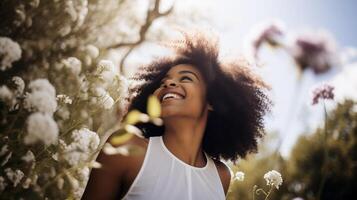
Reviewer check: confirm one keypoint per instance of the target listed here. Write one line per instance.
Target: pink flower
(315, 50)
(268, 32)
(325, 91)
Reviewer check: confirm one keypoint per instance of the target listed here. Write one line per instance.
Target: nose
(169, 83)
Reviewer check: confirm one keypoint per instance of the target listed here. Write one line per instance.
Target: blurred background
(295, 45)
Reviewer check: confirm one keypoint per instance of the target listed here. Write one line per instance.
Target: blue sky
(237, 17)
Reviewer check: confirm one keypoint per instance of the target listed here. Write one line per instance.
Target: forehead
(184, 67)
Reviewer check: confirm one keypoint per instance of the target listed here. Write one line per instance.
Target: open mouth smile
(171, 95)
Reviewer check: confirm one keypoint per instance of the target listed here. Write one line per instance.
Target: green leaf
(154, 107)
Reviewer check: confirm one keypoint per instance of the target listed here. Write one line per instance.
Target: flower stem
(267, 195)
(254, 189)
(324, 171)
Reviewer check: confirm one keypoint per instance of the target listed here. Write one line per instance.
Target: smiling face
(182, 92)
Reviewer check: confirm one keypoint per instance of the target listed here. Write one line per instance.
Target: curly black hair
(238, 97)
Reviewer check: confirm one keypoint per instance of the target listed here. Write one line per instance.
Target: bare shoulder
(117, 171)
(224, 173)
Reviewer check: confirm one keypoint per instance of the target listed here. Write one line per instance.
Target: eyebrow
(183, 72)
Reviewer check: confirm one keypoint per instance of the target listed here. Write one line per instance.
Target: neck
(183, 137)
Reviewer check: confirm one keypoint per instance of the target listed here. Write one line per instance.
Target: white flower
(74, 182)
(77, 193)
(73, 64)
(65, 30)
(28, 157)
(14, 176)
(42, 97)
(3, 184)
(107, 102)
(108, 78)
(92, 51)
(239, 176)
(83, 143)
(73, 157)
(20, 15)
(273, 178)
(106, 65)
(4, 149)
(41, 127)
(20, 85)
(82, 11)
(55, 156)
(26, 183)
(71, 10)
(6, 95)
(40, 101)
(86, 139)
(63, 113)
(83, 174)
(10, 52)
(64, 98)
(42, 85)
(99, 91)
(107, 72)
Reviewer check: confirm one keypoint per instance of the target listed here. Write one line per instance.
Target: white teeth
(171, 95)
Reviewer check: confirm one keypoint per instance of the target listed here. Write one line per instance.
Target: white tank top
(164, 176)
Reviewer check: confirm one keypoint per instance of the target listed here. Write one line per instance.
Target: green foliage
(307, 167)
(306, 172)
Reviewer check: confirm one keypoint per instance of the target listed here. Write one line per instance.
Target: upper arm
(105, 182)
(225, 175)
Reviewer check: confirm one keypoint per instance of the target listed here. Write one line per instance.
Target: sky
(234, 20)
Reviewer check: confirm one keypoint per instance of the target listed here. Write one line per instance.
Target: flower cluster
(56, 89)
(269, 32)
(10, 52)
(84, 142)
(315, 50)
(56, 128)
(42, 97)
(273, 178)
(239, 176)
(325, 91)
(41, 127)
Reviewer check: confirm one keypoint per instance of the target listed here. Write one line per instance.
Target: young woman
(211, 111)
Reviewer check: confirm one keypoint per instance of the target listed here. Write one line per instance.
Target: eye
(186, 78)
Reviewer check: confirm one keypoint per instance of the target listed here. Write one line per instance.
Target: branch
(151, 16)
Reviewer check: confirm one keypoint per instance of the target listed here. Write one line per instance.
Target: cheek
(198, 97)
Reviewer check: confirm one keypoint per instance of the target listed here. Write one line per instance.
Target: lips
(169, 94)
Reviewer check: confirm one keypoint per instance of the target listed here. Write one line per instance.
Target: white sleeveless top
(164, 176)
